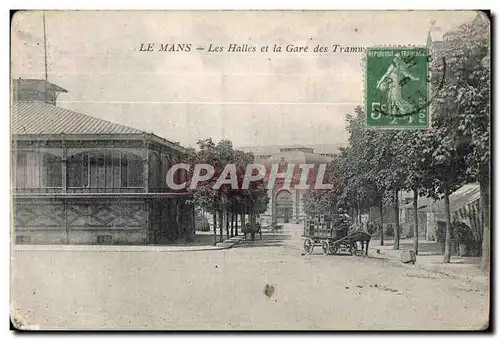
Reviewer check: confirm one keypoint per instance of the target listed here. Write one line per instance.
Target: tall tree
(363, 166)
(463, 114)
(227, 199)
(204, 194)
(468, 48)
(415, 166)
(387, 171)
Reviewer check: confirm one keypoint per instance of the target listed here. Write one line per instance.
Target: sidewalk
(425, 248)
(227, 244)
(431, 260)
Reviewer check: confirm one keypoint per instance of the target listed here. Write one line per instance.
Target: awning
(459, 199)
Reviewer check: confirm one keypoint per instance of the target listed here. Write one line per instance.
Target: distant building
(426, 218)
(266, 151)
(285, 204)
(77, 179)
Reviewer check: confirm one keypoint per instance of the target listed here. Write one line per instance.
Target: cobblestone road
(226, 290)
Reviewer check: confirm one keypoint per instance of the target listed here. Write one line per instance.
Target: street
(214, 290)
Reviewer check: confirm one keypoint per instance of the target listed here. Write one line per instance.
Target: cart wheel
(334, 248)
(326, 247)
(308, 245)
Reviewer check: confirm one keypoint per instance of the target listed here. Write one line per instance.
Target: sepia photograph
(247, 170)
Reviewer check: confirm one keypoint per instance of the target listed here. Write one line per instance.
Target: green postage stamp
(397, 87)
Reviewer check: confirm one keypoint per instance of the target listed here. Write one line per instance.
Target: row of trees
(226, 204)
(378, 164)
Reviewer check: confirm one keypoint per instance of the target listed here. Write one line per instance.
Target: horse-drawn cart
(334, 236)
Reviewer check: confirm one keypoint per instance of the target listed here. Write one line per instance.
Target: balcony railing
(105, 190)
(37, 190)
(73, 190)
(78, 190)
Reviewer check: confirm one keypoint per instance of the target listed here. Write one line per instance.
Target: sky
(261, 98)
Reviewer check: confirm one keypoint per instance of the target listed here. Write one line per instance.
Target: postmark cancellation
(397, 87)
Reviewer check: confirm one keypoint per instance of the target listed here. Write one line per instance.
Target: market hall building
(286, 203)
(77, 179)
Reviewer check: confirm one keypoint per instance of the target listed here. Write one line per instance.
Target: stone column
(147, 220)
(145, 175)
(64, 165)
(64, 185)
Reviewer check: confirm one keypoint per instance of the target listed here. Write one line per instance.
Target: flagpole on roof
(45, 54)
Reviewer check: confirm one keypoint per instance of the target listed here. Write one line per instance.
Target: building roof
(274, 149)
(458, 199)
(296, 157)
(38, 84)
(463, 196)
(38, 118)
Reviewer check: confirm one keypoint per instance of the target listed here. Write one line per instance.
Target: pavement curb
(226, 244)
(431, 267)
(380, 251)
(397, 259)
(229, 243)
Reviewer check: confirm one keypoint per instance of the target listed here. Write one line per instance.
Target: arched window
(105, 171)
(36, 170)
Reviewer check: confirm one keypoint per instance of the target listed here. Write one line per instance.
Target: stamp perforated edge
(364, 84)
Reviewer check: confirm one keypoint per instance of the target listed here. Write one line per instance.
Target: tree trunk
(426, 226)
(396, 220)
(381, 207)
(221, 224)
(215, 226)
(227, 224)
(415, 230)
(447, 245)
(484, 185)
(252, 224)
(359, 214)
(232, 224)
(236, 225)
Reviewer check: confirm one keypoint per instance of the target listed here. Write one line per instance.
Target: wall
(61, 221)
(76, 220)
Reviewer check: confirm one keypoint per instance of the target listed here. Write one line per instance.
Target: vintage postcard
(250, 170)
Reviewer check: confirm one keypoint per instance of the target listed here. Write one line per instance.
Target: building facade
(77, 179)
(286, 202)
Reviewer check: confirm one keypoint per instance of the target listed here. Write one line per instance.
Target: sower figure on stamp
(392, 82)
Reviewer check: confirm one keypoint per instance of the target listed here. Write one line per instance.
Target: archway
(284, 206)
